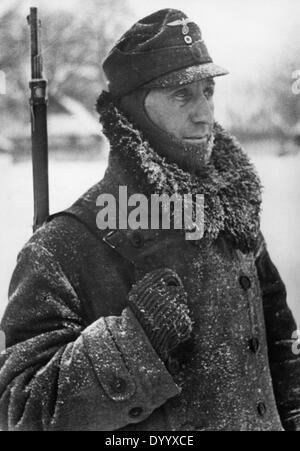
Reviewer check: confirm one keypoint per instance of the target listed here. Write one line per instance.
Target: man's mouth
(197, 139)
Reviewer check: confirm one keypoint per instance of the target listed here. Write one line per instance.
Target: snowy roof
(77, 122)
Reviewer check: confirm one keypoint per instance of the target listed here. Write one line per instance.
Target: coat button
(137, 239)
(118, 385)
(254, 344)
(135, 412)
(245, 282)
(173, 282)
(261, 408)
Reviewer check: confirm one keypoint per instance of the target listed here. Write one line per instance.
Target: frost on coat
(58, 374)
(78, 359)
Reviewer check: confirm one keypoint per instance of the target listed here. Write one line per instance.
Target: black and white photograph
(150, 218)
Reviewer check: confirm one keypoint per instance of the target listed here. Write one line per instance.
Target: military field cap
(164, 49)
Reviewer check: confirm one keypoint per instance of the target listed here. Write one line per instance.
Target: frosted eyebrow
(178, 88)
(208, 83)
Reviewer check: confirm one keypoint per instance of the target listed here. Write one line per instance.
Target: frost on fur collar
(229, 183)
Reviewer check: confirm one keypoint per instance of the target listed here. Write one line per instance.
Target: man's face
(187, 112)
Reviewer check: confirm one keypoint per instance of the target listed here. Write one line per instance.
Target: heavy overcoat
(78, 359)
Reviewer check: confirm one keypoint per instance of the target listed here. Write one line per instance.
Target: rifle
(39, 134)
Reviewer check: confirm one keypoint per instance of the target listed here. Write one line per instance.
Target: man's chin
(197, 159)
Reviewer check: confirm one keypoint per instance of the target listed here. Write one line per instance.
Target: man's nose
(202, 111)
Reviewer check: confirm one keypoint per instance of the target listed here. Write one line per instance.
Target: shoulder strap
(78, 219)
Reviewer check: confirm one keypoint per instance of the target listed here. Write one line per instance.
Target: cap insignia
(185, 29)
(181, 22)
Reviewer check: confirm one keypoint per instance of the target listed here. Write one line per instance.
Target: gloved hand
(159, 302)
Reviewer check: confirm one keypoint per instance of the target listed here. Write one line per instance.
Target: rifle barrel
(39, 133)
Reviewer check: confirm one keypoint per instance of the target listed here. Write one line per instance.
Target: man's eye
(209, 92)
(181, 95)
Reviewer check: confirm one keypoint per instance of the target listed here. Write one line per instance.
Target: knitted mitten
(159, 302)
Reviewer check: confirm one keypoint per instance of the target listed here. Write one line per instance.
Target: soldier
(143, 329)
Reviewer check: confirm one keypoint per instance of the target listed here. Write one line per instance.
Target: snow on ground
(69, 179)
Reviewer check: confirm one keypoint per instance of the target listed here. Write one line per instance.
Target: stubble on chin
(197, 158)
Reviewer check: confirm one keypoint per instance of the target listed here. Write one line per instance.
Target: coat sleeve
(280, 328)
(57, 375)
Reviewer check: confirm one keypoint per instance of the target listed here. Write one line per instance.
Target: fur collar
(230, 184)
